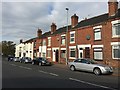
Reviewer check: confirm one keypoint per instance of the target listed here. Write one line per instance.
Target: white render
(25, 50)
(54, 50)
(29, 50)
(19, 49)
(84, 45)
(94, 46)
(42, 49)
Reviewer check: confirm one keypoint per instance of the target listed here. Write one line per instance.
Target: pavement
(116, 71)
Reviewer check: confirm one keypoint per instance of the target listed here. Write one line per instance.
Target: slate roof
(96, 20)
(62, 30)
(83, 23)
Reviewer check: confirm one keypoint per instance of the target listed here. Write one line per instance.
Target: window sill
(117, 36)
(116, 58)
(98, 59)
(72, 58)
(98, 40)
(62, 44)
(72, 42)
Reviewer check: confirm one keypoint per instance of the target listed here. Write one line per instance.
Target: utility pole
(66, 39)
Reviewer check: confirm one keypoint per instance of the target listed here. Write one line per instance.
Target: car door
(77, 64)
(86, 65)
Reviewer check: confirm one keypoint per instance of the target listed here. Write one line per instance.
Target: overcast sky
(20, 20)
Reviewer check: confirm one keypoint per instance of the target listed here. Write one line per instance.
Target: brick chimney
(112, 7)
(74, 20)
(21, 41)
(53, 28)
(39, 32)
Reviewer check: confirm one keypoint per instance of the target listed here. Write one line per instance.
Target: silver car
(90, 66)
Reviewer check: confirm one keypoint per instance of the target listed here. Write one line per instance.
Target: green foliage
(8, 48)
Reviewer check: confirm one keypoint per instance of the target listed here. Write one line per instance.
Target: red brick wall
(112, 8)
(55, 41)
(82, 33)
(107, 39)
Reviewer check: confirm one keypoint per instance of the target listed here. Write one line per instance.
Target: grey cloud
(22, 19)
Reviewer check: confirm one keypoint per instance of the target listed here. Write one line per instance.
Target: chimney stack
(53, 28)
(39, 32)
(112, 7)
(21, 41)
(74, 20)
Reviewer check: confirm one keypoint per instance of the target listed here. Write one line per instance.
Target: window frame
(114, 30)
(114, 47)
(72, 37)
(62, 53)
(97, 31)
(48, 53)
(98, 50)
(63, 39)
(49, 41)
(70, 49)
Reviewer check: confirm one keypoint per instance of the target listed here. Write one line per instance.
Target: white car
(90, 66)
(16, 59)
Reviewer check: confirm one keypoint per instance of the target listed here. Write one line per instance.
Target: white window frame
(62, 54)
(99, 50)
(47, 53)
(44, 42)
(63, 39)
(113, 28)
(73, 47)
(49, 41)
(115, 47)
(72, 37)
(98, 32)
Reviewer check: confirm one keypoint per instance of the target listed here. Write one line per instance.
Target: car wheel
(97, 71)
(40, 64)
(33, 63)
(72, 68)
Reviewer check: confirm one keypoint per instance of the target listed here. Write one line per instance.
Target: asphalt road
(19, 75)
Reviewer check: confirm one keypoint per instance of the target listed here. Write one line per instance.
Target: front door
(80, 52)
(87, 52)
(56, 56)
(53, 55)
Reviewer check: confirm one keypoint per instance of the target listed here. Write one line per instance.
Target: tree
(8, 48)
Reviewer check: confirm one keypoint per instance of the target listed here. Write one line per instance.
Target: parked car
(41, 61)
(16, 59)
(90, 66)
(10, 58)
(25, 60)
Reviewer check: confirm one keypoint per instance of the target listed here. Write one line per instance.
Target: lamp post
(66, 39)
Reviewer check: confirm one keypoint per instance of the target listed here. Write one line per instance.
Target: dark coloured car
(41, 61)
(25, 60)
(10, 58)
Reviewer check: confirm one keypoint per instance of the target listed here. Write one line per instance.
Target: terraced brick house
(96, 38)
